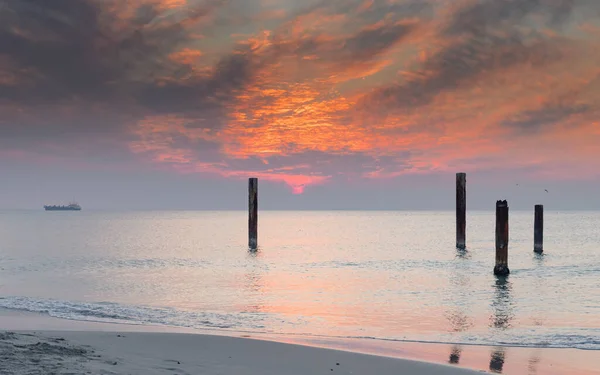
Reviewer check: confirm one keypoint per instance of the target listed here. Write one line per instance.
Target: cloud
(83, 49)
(301, 93)
(74, 68)
(547, 115)
(479, 17)
(479, 40)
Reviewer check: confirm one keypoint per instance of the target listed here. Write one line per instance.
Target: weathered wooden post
(461, 210)
(538, 229)
(253, 213)
(501, 268)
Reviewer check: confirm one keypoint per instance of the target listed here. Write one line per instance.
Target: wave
(257, 323)
(109, 312)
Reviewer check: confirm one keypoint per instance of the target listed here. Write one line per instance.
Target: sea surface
(337, 274)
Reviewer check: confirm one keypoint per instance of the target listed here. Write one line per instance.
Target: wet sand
(499, 360)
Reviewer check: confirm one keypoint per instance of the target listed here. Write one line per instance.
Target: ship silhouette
(69, 207)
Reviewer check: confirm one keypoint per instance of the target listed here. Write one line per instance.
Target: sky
(332, 104)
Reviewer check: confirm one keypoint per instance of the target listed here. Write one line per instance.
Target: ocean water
(374, 275)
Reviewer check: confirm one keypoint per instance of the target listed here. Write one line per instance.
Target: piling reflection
(253, 283)
(539, 282)
(539, 258)
(459, 321)
(455, 354)
(459, 300)
(254, 253)
(503, 314)
(497, 360)
(502, 304)
(532, 364)
(463, 254)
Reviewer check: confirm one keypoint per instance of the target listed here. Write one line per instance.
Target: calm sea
(378, 275)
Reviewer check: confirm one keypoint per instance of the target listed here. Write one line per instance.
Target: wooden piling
(461, 210)
(538, 229)
(501, 267)
(253, 213)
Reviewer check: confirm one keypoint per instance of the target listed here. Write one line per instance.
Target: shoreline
(500, 359)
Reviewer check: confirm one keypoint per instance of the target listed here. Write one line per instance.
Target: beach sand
(33, 343)
(177, 353)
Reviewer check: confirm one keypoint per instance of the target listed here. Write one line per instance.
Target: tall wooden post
(538, 229)
(253, 213)
(461, 210)
(501, 268)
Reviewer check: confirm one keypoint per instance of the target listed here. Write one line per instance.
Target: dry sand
(148, 353)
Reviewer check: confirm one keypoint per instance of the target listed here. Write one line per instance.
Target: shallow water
(380, 275)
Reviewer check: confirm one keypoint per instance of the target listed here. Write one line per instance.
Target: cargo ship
(69, 207)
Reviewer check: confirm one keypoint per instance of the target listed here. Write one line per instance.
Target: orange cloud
(170, 4)
(306, 95)
(160, 137)
(325, 84)
(186, 56)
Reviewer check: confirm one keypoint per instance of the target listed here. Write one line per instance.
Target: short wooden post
(538, 229)
(461, 210)
(253, 213)
(501, 268)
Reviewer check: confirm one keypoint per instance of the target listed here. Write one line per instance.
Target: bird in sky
(546, 190)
